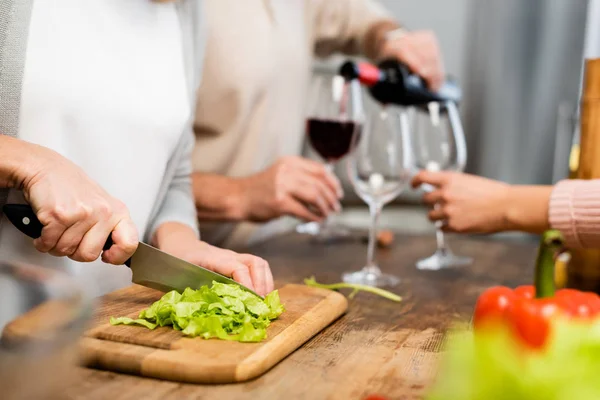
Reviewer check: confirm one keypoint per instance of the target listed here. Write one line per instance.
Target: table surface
(378, 347)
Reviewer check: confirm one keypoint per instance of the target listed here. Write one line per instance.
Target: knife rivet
(26, 221)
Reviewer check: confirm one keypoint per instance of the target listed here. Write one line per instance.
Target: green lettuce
(223, 311)
(492, 365)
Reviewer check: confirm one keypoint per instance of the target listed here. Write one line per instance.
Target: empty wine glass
(334, 114)
(439, 145)
(379, 168)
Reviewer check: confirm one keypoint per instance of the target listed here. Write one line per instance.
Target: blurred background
(519, 63)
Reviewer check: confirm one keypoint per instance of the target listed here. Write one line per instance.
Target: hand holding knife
(150, 266)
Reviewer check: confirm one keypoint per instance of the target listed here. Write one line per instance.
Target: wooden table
(378, 347)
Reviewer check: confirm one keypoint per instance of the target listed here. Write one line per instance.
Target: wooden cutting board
(166, 354)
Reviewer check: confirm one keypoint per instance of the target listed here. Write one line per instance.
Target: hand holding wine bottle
(420, 52)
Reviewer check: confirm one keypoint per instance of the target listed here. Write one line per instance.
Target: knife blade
(150, 266)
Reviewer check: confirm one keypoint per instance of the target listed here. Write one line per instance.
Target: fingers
(421, 53)
(125, 242)
(321, 173)
(333, 184)
(71, 237)
(299, 210)
(51, 234)
(260, 273)
(314, 192)
(270, 284)
(56, 222)
(433, 198)
(431, 178)
(91, 244)
(437, 214)
(241, 274)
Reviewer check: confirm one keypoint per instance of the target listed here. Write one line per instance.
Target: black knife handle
(25, 220)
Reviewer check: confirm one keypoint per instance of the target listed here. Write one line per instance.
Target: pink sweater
(575, 211)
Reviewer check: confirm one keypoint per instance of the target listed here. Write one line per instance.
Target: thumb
(125, 242)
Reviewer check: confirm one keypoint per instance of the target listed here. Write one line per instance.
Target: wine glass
(379, 168)
(439, 143)
(334, 114)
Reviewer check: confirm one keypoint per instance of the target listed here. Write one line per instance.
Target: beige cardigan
(250, 108)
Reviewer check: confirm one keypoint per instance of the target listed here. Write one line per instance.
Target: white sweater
(105, 86)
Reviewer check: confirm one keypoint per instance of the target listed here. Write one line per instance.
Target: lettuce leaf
(223, 311)
(131, 321)
(492, 365)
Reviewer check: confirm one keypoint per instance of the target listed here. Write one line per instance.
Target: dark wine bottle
(391, 82)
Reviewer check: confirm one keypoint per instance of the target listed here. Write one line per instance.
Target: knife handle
(25, 220)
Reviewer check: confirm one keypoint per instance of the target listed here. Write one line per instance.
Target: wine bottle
(391, 82)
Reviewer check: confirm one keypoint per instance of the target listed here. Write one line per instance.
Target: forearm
(169, 233)
(19, 161)
(527, 208)
(218, 197)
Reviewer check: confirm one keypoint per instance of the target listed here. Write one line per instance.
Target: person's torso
(256, 72)
(251, 102)
(104, 86)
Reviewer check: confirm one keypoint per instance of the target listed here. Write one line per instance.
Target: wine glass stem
(439, 234)
(329, 166)
(375, 210)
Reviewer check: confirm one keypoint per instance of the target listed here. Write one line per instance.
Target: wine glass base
(370, 279)
(308, 228)
(323, 234)
(442, 259)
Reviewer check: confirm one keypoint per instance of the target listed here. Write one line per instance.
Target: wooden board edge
(331, 307)
(111, 356)
(148, 362)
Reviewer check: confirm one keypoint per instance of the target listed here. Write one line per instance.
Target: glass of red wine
(335, 115)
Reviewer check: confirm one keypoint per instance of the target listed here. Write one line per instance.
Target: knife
(150, 266)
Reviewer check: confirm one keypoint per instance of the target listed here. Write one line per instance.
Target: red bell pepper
(529, 311)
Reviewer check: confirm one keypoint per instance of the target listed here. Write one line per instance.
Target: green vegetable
(356, 288)
(492, 365)
(223, 311)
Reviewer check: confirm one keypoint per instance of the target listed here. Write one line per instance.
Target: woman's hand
(77, 214)
(472, 204)
(466, 203)
(251, 271)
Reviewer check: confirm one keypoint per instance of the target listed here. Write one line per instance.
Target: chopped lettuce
(491, 365)
(223, 311)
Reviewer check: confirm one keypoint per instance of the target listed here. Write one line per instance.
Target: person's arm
(175, 231)
(365, 27)
(472, 204)
(178, 203)
(218, 197)
(526, 208)
(76, 213)
(18, 161)
(293, 186)
(574, 209)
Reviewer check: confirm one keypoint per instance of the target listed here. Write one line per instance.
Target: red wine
(330, 138)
